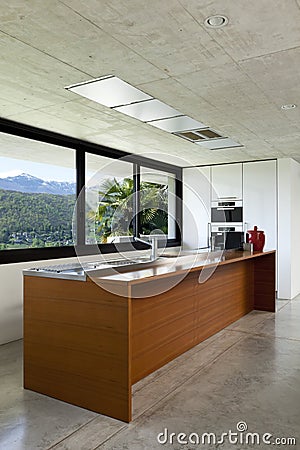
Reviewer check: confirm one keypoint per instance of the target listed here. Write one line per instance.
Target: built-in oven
(226, 237)
(227, 211)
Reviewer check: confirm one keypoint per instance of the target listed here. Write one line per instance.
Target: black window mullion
(80, 197)
(136, 199)
(178, 206)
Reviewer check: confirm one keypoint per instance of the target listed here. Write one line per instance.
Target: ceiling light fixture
(291, 106)
(148, 110)
(121, 96)
(216, 21)
(109, 91)
(182, 123)
(219, 144)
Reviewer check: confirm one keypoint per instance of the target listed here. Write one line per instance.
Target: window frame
(81, 148)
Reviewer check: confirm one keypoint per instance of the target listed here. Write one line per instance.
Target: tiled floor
(248, 372)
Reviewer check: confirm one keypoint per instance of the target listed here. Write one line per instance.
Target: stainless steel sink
(115, 263)
(79, 272)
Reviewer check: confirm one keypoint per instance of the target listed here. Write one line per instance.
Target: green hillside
(35, 220)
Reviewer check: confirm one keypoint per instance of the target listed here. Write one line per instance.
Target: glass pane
(157, 203)
(109, 200)
(37, 194)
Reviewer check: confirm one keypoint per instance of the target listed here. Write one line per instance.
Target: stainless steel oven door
(226, 237)
(227, 214)
(227, 211)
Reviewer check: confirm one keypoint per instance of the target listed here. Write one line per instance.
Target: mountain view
(29, 183)
(35, 212)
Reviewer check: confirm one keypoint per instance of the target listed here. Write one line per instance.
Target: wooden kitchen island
(86, 345)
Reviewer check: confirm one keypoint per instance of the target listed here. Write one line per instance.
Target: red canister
(257, 238)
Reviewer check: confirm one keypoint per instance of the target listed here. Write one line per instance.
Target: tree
(4, 235)
(38, 243)
(114, 215)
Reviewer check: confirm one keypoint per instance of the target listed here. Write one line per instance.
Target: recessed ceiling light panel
(109, 91)
(149, 110)
(177, 124)
(115, 93)
(218, 144)
(217, 21)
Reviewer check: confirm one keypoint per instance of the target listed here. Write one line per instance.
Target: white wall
(295, 229)
(11, 298)
(288, 228)
(284, 228)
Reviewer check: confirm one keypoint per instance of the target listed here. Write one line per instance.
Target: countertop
(172, 262)
(173, 266)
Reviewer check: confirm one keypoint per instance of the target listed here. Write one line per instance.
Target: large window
(109, 200)
(37, 194)
(57, 192)
(157, 202)
(125, 200)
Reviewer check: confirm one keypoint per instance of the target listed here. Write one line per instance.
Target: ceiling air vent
(199, 135)
(209, 134)
(190, 136)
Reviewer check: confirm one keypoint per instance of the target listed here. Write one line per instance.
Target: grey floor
(248, 372)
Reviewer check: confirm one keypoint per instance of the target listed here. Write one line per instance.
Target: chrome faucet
(153, 243)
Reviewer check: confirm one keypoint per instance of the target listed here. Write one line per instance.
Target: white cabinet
(260, 199)
(227, 181)
(255, 183)
(196, 207)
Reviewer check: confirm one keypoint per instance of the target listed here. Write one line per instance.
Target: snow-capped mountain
(29, 183)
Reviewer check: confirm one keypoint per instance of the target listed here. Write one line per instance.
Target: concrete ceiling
(233, 79)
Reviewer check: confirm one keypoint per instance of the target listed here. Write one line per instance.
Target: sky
(10, 167)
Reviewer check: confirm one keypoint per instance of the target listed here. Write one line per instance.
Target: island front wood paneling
(265, 282)
(76, 344)
(87, 346)
(166, 325)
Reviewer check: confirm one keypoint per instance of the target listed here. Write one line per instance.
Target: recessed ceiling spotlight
(291, 106)
(216, 21)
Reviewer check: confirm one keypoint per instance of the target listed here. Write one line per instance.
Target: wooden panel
(166, 325)
(224, 298)
(87, 346)
(163, 326)
(76, 345)
(265, 283)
